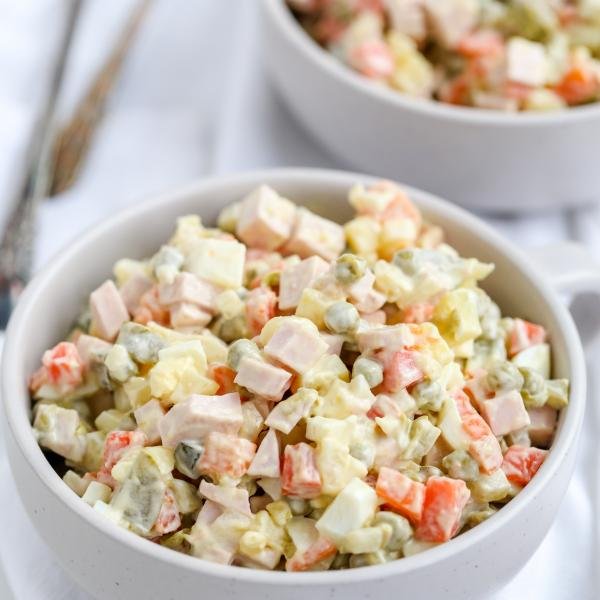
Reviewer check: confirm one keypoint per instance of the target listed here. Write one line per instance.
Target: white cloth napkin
(194, 100)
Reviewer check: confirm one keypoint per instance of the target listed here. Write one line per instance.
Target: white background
(193, 100)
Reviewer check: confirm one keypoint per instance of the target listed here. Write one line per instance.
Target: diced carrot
(401, 493)
(117, 443)
(300, 477)
(400, 206)
(579, 85)
(168, 519)
(150, 309)
(312, 556)
(418, 313)
(224, 376)
(445, 499)
(261, 305)
(226, 455)
(484, 42)
(483, 446)
(520, 464)
(399, 370)
(61, 366)
(456, 91)
(524, 335)
(372, 58)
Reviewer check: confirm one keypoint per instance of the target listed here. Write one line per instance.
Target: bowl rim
(281, 16)
(17, 413)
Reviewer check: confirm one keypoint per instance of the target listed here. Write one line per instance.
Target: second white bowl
(482, 159)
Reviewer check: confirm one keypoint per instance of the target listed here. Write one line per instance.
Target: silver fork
(16, 244)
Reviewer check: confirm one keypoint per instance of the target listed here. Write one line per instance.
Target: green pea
(341, 317)
(504, 376)
(349, 268)
(428, 395)
(406, 261)
(534, 391)
(370, 369)
(401, 529)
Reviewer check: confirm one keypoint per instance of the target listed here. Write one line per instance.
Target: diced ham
(209, 512)
(391, 337)
(542, 425)
(523, 335)
(90, 348)
(188, 288)
(295, 278)
(196, 417)
(168, 519)
(505, 412)
(233, 498)
(445, 499)
(363, 296)
(261, 305)
(296, 346)
(226, 455)
(263, 379)
(108, 311)
(399, 370)
(450, 20)
(334, 342)
(300, 477)
(314, 235)
(266, 219)
(266, 462)
(400, 493)
(520, 464)
(484, 42)
(483, 445)
(185, 315)
(407, 17)
(133, 290)
(117, 443)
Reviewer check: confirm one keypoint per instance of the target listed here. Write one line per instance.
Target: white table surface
(193, 101)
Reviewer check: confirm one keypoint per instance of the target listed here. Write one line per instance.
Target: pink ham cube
(266, 219)
(263, 379)
(389, 337)
(228, 497)
(542, 425)
(186, 315)
(296, 345)
(108, 311)
(295, 278)
(450, 20)
(363, 296)
(133, 290)
(91, 349)
(196, 417)
(408, 17)
(315, 235)
(188, 288)
(334, 342)
(266, 461)
(505, 412)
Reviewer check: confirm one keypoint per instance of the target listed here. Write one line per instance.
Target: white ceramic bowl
(482, 159)
(113, 563)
